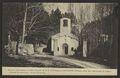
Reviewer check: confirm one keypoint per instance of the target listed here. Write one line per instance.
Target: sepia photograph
(60, 35)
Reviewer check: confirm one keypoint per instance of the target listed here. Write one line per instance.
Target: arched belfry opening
(65, 23)
(65, 48)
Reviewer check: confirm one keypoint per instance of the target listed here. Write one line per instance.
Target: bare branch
(34, 16)
(33, 21)
(32, 24)
(36, 6)
(20, 21)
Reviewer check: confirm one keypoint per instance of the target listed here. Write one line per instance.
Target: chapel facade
(64, 43)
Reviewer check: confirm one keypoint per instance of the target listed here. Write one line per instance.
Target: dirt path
(81, 63)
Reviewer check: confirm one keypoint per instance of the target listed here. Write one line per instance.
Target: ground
(44, 60)
(49, 61)
(78, 63)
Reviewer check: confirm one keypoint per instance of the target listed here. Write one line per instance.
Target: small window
(72, 48)
(65, 23)
(58, 49)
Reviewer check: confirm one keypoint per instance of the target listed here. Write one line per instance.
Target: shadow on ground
(28, 61)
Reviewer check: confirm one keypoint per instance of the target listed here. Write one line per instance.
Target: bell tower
(65, 25)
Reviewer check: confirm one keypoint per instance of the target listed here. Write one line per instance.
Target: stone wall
(23, 49)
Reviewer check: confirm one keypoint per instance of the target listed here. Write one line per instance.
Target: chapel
(64, 43)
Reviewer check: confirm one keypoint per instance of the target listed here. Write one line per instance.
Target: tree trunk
(24, 24)
(17, 45)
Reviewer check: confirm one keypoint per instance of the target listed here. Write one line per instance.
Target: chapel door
(65, 48)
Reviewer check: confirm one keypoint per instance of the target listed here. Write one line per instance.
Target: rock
(12, 47)
(25, 49)
(39, 50)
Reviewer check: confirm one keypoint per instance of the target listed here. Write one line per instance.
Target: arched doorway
(65, 48)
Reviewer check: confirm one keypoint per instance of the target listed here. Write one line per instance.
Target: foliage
(71, 16)
(55, 20)
(41, 29)
(34, 26)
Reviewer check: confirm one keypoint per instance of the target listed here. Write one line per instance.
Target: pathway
(81, 63)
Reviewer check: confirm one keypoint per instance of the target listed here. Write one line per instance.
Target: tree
(10, 10)
(26, 16)
(41, 30)
(14, 21)
(71, 16)
(55, 19)
(104, 9)
(32, 11)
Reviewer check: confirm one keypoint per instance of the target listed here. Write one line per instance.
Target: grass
(92, 59)
(28, 61)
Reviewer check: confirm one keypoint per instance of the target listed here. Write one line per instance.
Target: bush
(45, 50)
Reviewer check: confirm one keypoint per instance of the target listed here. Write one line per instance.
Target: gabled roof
(62, 35)
(65, 18)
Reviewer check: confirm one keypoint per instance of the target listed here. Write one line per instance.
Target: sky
(62, 6)
(86, 10)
